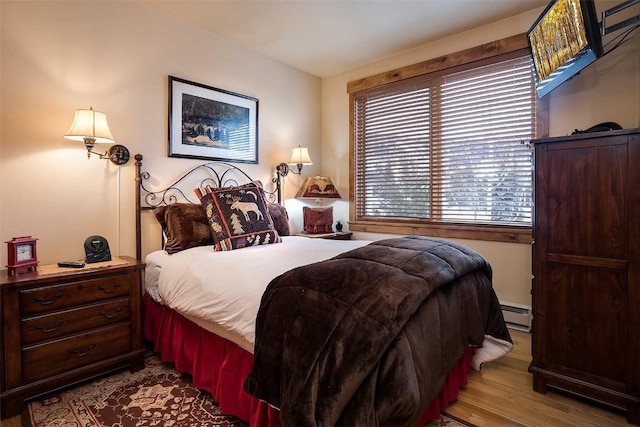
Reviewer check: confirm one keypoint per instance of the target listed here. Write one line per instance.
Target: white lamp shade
(300, 156)
(90, 124)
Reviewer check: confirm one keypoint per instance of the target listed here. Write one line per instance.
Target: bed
(286, 330)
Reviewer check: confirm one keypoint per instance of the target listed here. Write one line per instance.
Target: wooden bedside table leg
(11, 407)
(633, 414)
(137, 363)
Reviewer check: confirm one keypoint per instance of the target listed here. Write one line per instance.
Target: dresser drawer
(50, 326)
(45, 360)
(55, 297)
(60, 329)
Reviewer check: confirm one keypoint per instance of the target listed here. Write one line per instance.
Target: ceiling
(328, 37)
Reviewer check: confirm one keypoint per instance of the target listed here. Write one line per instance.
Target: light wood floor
(502, 395)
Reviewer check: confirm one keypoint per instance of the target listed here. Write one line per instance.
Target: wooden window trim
(467, 56)
(494, 233)
(465, 59)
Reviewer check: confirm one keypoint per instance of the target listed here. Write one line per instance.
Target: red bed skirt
(219, 366)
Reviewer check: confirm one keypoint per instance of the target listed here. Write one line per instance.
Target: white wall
(608, 90)
(59, 56)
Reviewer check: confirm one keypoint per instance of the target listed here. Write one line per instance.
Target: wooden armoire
(586, 267)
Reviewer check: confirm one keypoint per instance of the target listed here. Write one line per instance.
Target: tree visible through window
(451, 148)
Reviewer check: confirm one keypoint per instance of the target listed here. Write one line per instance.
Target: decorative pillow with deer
(238, 217)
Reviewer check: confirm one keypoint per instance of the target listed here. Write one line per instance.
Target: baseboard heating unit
(517, 316)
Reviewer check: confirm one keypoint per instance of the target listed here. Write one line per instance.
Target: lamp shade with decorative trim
(300, 156)
(318, 187)
(90, 124)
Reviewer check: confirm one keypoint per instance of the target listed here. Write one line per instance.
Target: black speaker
(600, 127)
(96, 248)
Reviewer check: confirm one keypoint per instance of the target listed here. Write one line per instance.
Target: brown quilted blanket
(368, 337)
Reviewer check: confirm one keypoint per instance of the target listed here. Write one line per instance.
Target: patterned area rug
(448, 421)
(154, 396)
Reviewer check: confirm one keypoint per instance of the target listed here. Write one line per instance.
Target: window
(446, 153)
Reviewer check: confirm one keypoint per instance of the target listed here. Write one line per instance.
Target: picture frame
(209, 123)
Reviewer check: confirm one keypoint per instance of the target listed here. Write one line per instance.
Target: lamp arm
(118, 154)
(283, 170)
(103, 156)
(89, 143)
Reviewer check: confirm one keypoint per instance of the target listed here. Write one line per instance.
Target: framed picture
(211, 124)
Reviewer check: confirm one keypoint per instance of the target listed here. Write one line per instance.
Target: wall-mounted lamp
(90, 127)
(299, 157)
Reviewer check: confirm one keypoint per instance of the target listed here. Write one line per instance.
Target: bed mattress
(221, 291)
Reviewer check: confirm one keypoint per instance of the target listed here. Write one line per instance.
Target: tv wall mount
(617, 26)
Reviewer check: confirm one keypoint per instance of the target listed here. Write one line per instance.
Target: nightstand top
(339, 235)
(46, 272)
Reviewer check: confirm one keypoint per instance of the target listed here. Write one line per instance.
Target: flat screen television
(564, 40)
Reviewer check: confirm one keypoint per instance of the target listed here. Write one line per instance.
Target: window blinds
(448, 149)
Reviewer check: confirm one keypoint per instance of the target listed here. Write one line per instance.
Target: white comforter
(221, 291)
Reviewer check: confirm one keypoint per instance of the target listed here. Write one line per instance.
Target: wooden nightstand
(60, 328)
(339, 235)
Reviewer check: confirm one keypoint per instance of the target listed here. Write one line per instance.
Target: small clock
(21, 254)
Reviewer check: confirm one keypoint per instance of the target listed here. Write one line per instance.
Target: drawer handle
(52, 329)
(116, 312)
(55, 297)
(77, 352)
(102, 288)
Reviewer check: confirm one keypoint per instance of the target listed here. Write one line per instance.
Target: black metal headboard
(212, 175)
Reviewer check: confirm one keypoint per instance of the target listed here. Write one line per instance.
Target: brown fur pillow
(184, 226)
(280, 218)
